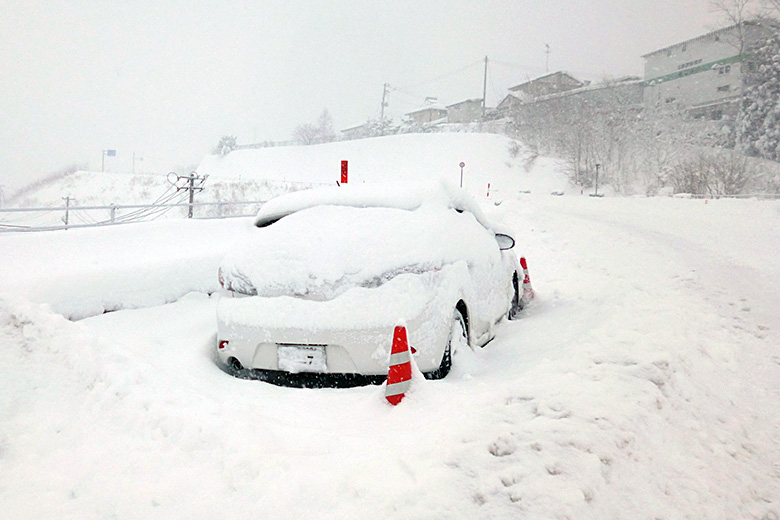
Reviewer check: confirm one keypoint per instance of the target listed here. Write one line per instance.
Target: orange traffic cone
(399, 373)
(528, 291)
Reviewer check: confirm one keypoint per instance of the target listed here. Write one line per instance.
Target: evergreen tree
(760, 110)
(325, 127)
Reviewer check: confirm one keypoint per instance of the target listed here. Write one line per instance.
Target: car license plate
(301, 358)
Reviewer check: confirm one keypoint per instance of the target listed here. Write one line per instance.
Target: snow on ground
(641, 383)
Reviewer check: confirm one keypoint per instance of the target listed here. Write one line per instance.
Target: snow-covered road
(642, 383)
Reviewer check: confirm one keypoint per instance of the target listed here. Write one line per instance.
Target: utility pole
(596, 193)
(67, 210)
(384, 103)
(547, 58)
(484, 89)
(190, 186)
(192, 192)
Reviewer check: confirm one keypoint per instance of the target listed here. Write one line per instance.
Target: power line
(531, 70)
(442, 76)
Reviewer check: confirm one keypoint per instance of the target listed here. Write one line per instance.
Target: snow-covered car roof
(406, 196)
(326, 240)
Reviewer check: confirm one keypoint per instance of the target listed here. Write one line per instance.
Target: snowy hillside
(488, 158)
(249, 175)
(643, 381)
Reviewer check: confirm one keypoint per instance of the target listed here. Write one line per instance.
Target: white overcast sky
(164, 79)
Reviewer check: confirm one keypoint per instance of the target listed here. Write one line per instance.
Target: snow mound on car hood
(322, 251)
(408, 196)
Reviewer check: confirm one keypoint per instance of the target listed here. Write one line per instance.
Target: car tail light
(223, 344)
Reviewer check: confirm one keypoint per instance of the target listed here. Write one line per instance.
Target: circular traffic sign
(462, 164)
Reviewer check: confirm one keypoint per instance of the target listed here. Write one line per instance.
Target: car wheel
(457, 339)
(517, 302)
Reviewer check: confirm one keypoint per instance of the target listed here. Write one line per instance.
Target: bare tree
(306, 133)
(772, 6)
(730, 173)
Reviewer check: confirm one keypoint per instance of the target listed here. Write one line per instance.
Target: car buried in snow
(314, 290)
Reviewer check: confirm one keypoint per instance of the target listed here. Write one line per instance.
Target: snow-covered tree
(226, 145)
(760, 111)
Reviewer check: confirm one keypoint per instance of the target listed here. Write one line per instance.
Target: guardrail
(736, 196)
(114, 214)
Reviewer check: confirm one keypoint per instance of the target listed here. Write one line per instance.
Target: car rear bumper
(355, 331)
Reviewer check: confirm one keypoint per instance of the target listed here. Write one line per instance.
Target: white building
(431, 112)
(703, 73)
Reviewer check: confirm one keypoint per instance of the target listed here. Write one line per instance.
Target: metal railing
(734, 196)
(114, 214)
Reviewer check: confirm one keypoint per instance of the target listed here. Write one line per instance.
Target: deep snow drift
(643, 382)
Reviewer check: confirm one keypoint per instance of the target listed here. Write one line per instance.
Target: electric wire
(442, 76)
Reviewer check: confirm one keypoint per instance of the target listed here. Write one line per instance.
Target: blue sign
(111, 153)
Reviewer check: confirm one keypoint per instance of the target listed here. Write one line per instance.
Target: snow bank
(83, 272)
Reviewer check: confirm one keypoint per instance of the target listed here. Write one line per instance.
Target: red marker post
(344, 172)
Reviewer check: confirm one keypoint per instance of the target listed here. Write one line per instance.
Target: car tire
(457, 336)
(517, 301)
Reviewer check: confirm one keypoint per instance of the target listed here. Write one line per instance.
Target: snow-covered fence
(65, 217)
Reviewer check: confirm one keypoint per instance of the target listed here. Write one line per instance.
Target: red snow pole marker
(528, 291)
(344, 172)
(488, 190)
(399, 373)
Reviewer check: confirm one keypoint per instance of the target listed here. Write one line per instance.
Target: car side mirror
(504, 241)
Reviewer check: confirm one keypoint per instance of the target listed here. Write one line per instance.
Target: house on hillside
(535, 89)
(704, 73)
(356, 132)
(431, 111)
(612, 96)
(553, 83)
(466, 111)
